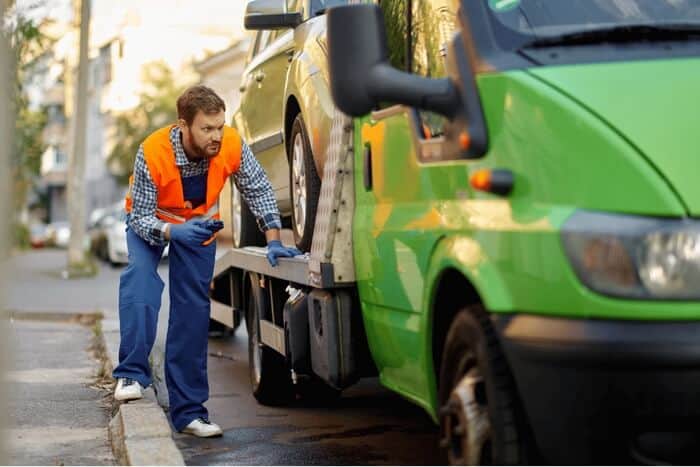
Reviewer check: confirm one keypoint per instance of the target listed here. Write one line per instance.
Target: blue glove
(214, 225)
(190, 233)
(275, 250)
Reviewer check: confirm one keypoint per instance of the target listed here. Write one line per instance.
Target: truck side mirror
(361, 76)
(270, 14)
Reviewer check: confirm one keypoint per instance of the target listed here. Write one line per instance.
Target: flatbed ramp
(253, 258)
(330, 264)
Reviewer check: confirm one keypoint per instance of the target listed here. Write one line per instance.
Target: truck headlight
(633, 256)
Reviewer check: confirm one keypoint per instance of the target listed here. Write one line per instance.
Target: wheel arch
(291, 110)
(457, 263)
(446, 304)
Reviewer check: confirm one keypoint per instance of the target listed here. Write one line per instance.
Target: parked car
(108, 236)
(287, 71)
(38, 235)
(58, 234)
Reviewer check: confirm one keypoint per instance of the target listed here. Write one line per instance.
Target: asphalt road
(368, 425)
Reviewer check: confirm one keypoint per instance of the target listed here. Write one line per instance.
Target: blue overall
(140, 290)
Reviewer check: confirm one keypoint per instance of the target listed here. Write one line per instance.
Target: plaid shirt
(251, 180)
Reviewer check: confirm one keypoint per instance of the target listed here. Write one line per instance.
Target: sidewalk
(141, 434)
(56, 413)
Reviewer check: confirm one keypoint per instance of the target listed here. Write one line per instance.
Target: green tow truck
(507, 233)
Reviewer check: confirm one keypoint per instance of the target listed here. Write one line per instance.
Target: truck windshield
(519, 23)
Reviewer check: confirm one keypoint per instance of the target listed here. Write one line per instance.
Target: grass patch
(82, 270)
(102, 380)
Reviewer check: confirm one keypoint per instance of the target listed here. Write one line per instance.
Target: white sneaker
(128, 390)
(202, 428)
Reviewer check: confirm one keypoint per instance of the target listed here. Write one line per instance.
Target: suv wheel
(304, 183)
(244, 229)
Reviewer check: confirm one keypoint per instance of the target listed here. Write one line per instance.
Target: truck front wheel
(270, 376)
(480, 421)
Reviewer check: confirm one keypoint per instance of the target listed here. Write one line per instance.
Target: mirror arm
(437, 95)
(472, 110)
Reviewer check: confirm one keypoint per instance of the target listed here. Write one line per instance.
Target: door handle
(367, 168)
(259, 76)
(290, 55)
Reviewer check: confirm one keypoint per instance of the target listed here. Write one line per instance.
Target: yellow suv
(285, 110)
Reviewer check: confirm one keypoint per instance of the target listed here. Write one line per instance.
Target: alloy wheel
(466, 427)
(299, 185)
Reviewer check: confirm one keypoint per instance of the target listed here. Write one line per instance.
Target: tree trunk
(76, 162)
(6, 132)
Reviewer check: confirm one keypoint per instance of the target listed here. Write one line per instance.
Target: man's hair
(196, 98)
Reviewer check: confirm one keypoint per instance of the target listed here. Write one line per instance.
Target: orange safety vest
(160, 160)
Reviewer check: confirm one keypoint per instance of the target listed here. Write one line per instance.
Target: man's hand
(214, 225)
(275, 250)
(190, 233)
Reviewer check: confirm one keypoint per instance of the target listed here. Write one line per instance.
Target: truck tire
(244, 228)
(270, 376)
(480, 417)
(304, 185)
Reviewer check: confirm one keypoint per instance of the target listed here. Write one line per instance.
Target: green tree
(397, 30)
(28, 44)
(156, 109)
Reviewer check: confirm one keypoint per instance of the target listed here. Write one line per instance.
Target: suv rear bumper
(589, 386)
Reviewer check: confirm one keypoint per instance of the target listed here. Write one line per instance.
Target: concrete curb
(140, 435)
(69, 316)
(139, 431)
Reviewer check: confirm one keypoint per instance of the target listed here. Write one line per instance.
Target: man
(173, 197)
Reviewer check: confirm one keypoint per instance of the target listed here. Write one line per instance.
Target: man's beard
(202, 153)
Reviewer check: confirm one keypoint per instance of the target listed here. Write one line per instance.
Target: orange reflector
(464, 141)
(481, 180)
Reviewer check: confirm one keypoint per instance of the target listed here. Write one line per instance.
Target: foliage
(28, 45)
(156, 109)
(395, 17)
(21, 236)
(27, 151)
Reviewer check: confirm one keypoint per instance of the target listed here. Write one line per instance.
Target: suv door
(249, 90)
(263, 107)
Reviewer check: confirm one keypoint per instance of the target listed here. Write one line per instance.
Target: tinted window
(261, 41)
(319, 6)
(519, 21)
(433, 24)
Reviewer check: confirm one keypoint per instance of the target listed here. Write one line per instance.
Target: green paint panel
(654, 104)
(422, 219)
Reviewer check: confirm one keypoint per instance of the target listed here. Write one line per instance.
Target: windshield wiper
(621, 33)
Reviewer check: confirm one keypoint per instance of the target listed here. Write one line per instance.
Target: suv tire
(244, 228)
(304, 185)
